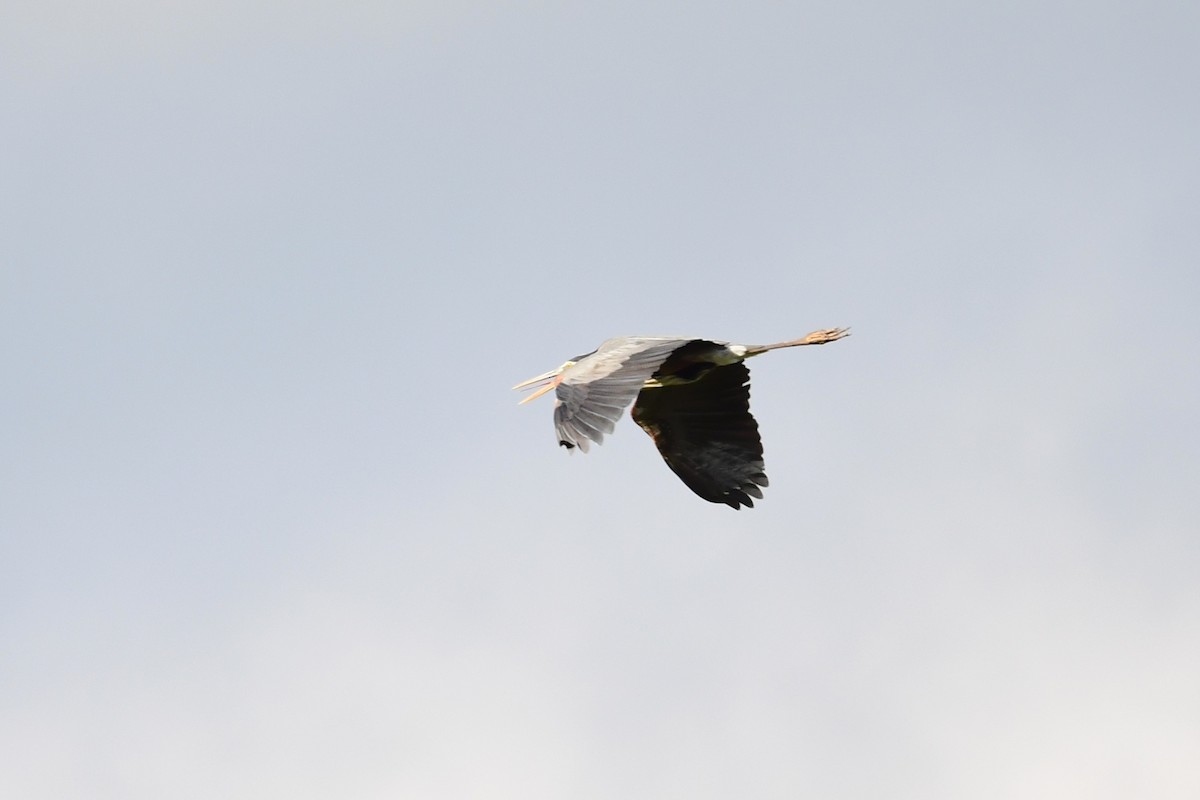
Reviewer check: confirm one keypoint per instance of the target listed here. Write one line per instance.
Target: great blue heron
(693, 398)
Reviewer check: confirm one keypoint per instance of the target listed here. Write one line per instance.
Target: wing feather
(706, 434)
(596, 390)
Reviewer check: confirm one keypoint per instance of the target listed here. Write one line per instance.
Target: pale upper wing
(706, 434)
(595, 391)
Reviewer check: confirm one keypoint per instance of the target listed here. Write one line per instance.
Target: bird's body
(692, 396)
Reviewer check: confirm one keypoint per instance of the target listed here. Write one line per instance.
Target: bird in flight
(691, 395)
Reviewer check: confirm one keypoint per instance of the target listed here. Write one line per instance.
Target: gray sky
(272, 524)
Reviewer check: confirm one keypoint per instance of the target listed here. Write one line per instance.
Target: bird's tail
(816, 337)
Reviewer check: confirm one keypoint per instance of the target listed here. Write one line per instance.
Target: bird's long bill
(550, 378)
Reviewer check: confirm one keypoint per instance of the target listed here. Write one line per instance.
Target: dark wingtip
(736, 499)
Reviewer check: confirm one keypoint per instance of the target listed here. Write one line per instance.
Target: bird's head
(547, 381)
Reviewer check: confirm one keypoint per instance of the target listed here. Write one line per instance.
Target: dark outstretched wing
(707, 435)
(595, 391)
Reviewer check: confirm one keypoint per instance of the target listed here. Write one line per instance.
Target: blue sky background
(272, 525)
